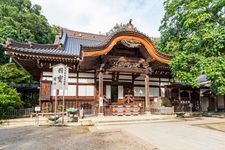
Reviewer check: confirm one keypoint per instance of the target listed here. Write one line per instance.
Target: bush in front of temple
(166, 102)
(9, 99)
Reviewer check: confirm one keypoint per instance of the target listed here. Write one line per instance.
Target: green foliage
(194, 32)
(166, 102)
(9, 98)
(194, 26)
(157, 43)
(214, 67)
(186, 67)
(11, 74)
(3, 57)
(21, 21)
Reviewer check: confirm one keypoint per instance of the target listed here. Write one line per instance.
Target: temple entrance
(128, 89)
(114, 93)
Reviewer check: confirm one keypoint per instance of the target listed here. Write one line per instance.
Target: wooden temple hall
(124, 68)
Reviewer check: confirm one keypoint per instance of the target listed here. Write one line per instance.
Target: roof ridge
(95, 34)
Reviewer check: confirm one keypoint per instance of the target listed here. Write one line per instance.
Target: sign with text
(100, 101)
(37, 108)
(60, 76)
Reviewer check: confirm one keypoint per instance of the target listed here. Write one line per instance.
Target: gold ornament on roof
(131, 43)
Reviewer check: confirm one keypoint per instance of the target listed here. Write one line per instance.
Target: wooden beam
(147, 102)
(100, 76)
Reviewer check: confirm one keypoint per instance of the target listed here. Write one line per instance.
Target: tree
(22, 21)
(157, 43)
(10, 74)
(9, 98)
(194, 32)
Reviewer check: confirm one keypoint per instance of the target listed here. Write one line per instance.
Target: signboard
(37, 108)
(100, 101)
(45, 90)
(60, 76)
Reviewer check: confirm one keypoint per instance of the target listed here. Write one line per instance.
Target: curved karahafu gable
(124, 35)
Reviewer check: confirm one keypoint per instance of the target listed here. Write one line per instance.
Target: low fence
(163, 110)
(16, 113)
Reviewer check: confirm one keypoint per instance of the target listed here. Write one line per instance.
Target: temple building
(124, 68)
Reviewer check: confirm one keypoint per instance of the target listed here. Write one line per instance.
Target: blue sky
(101, 15)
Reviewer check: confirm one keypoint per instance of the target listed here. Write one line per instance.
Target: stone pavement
(117, 120)
(103, 120)
(163, 132)
(177, 135)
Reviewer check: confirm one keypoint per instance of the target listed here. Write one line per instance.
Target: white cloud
(101, 15)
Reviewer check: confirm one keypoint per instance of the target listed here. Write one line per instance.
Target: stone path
(177, 135)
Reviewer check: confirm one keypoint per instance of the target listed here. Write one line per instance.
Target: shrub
(9, 99)
(166, 102)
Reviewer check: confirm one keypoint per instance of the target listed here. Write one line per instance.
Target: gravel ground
(76, 138)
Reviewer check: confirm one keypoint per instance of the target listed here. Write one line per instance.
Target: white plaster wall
(108, 76)
(120, 92)
(71, 91)
(108, 91)
(86, 81)
(139, 82)
(155, 79)
(162, 92)
(85, 90)
(129, 81)
(153, 83)
(125, 77)
(86, 75)
(139, 91)
(153, 91)
(165, 79)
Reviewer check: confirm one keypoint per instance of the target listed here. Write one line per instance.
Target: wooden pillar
(160, 91)
(147, 102)
(216, 103)
(224, 103)
(100, 77)
(77, 87)
(179, 94)
(189, 94)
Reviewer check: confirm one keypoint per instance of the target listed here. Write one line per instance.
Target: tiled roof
(72, 45)
(40, 49)
(68, 43)
(84, 35)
